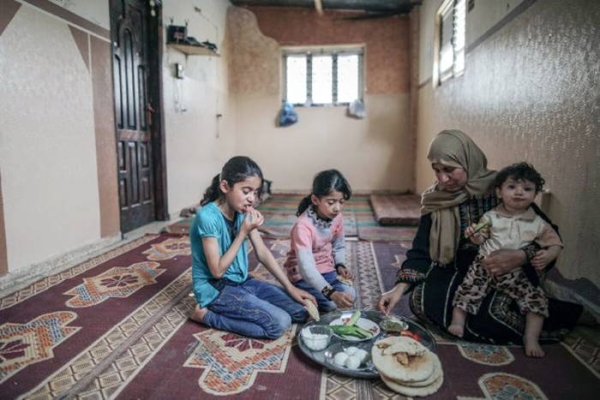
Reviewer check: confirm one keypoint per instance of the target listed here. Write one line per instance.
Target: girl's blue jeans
(326, 305)
(253, 308)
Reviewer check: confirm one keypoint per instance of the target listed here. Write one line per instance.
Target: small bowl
(316, 337)
(393, 324)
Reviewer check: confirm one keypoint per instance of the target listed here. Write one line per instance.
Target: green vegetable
(351, 330)
(480, 226)
(354, 318)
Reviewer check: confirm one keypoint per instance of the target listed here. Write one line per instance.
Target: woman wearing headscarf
(440, 256)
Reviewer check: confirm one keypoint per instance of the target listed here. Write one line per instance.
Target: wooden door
(133, 112)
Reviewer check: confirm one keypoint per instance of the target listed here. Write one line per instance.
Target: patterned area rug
(116, 327)
(280, 215)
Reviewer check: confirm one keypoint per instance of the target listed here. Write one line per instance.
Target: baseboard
(12, 282)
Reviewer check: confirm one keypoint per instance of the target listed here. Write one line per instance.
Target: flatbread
(397, 344)
(313, 311)
(414, 391)
(416, 366)
(437, 371)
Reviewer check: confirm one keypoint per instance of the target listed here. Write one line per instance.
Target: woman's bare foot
(198, 314)
(533, 348)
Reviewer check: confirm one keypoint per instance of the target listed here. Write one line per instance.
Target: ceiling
(387, 7)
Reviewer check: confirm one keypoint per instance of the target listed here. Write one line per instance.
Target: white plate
(364, 323)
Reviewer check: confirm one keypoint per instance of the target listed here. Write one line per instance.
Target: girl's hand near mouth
(253, 220)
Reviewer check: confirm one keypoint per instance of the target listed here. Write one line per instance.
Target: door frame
(155, 90)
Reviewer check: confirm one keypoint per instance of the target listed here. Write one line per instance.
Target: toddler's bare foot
(457, 325)
(198, 314)
(533, 348)
(457, 329)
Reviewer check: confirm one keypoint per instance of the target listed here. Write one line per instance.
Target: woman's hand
(342, 299)
(345, 272)
(253, 220)
(545, 256)
(503, 261)
(389, 299)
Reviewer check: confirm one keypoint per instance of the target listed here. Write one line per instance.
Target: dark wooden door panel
(134, 139)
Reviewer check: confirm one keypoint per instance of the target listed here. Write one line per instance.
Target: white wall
(374, 153)
(59, 199)
(484, 15)
(95, 11)
(198, 142)
(529, 92)
(47, 143)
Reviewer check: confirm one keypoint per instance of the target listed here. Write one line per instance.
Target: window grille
(319, 77)
(450, 57)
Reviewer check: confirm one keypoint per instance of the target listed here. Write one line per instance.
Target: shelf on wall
(194, 50)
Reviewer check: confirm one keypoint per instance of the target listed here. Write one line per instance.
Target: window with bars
(450, 54)
(318, 77)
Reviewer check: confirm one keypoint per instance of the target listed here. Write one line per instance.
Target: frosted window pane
(459, 36)
(322, 86)
(296, 79)
(347, 78)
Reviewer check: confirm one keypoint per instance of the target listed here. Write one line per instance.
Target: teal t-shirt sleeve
(208, 226)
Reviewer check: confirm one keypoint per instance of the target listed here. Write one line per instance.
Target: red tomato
(411, 335)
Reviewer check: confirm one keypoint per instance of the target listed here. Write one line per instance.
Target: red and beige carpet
(116, 327)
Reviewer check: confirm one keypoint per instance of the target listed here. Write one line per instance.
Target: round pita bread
(414, 391)
(419, 361)
(405, 344)
(437, 371)
(419, 368)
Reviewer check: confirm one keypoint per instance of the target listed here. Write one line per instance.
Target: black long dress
(433, 287)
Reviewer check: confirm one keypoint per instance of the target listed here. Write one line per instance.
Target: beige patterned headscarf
(453, 148)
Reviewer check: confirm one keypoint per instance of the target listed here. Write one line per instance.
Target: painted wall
(374, 153)
(529, 92)
(199, 116)
(94, 11)
(58, 192)
(56, 127)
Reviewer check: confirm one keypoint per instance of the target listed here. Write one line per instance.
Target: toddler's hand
(545, 256)
(476, 237)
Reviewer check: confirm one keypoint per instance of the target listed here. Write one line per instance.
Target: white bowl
(316, 337)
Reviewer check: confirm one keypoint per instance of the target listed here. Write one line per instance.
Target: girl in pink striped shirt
(317, 255)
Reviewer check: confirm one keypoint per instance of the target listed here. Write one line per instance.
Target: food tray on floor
(358, 348)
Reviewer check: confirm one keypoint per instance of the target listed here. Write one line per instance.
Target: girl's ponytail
(212, 192)
(304, 204)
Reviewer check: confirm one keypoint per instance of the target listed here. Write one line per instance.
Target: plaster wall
(529, 92)
(47, 141)
(199, 116)
(372, 152)
(94, 11)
